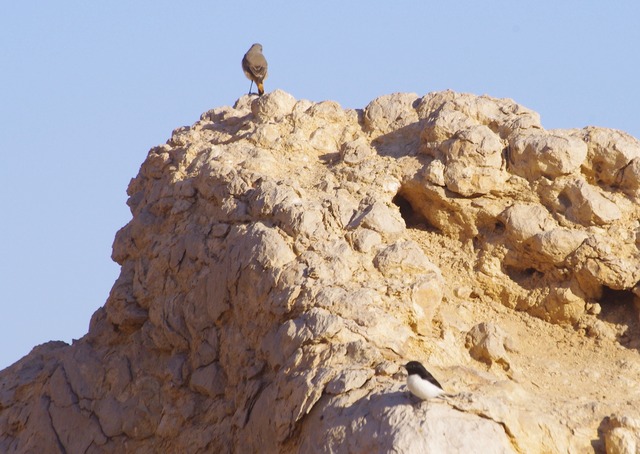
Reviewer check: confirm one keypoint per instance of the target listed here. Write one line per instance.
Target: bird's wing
(257, 65)
(431, 379)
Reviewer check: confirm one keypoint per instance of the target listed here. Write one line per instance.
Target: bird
(254, 66)
(421, 383)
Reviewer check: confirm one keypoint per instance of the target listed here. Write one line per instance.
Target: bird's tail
(446, 396)
(260, 88)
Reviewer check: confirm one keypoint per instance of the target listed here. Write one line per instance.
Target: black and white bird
(421, 383)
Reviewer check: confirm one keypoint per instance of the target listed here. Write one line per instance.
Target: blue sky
(88, 87)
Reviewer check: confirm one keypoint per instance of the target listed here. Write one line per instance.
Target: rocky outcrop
(285, 258)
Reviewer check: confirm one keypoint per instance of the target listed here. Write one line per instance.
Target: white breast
(422, 388)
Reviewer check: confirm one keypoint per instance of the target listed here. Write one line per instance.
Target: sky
(87, 88)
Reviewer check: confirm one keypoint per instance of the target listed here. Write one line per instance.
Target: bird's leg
(250, 87)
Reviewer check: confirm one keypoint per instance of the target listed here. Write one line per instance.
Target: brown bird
(254, 66)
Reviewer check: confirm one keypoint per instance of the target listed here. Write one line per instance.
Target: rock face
(285, 258)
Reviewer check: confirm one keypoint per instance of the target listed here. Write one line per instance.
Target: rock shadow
(404, 141)
(622, 309)
(413, 219)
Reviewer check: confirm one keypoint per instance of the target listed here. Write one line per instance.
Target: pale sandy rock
(486, 342)
(378, 216)
(601, 260)
(426, 295)
(242, 105)
(343, 206)
(631, 176)
(621, 441)
(365, 240)
(299, 112)
(501, 115)
(609, 152)
(327, 112)
(470, 181)
(323, 140)
(556, 245)
(390, 112)
(471, 153)
(549, 155)
(474, 161)
(524, 220)
(355, 151)
(403, 258)
(348, 380)
(285, 258)
(266, 135)
(564, 304)
(477, 146)
(388, 422)
(272, 106)
(622, 435)
(441, 126)
(325, 126)
(434, 172)
(528, 431)
(463, 292)
(601, 331)
(587, 205)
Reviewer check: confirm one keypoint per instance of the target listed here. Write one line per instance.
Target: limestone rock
(622, 435)
(472, 154)
(609, 153)
(556, 245)
(356, 151)
(503, 116)
(565, 304)
(405, 264)
(474, 162)
(486, 342)
(386, 423)
(378, 217)
(588, 206)
(272, 106)
(541, 154)
(631, 177)
(365, 240)
(605, 261)
(403, 259)
(523, 221)
(286, 257)
(390, 112)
